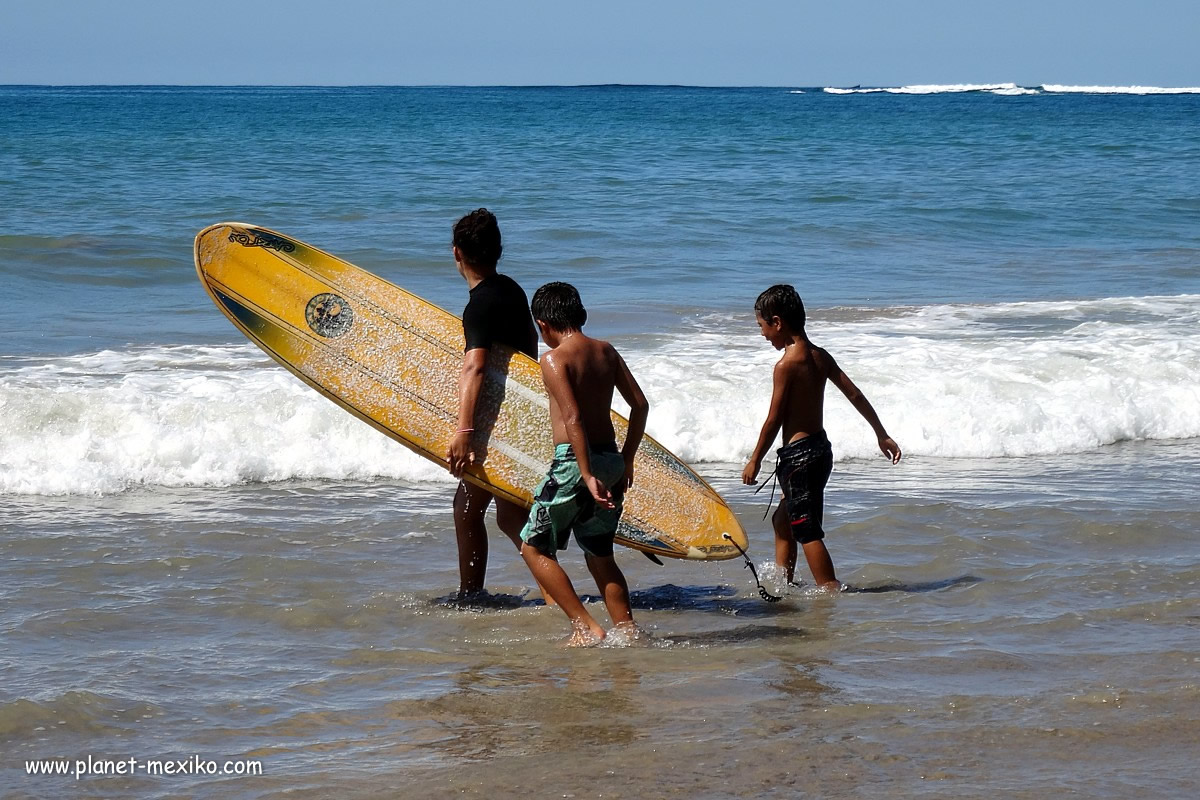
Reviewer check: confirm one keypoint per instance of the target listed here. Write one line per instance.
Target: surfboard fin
(652, 557)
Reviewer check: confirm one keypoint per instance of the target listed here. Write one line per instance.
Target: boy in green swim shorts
(585, 485)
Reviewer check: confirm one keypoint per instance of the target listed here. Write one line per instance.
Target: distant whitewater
(1010, 89)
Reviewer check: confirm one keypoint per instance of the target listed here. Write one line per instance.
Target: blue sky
(702, 42)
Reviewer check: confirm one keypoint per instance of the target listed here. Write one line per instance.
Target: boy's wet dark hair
(477, 237)
(782, 301)
(558, 305)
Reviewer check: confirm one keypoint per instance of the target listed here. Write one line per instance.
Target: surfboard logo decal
(258, 239)
(329, 315)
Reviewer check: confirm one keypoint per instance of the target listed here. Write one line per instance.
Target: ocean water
(201, 558)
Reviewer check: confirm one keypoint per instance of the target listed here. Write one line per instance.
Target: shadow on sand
(929, 586)
(732, 636)
(669, 597)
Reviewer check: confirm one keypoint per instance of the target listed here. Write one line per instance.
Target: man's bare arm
(470, 381)
(771, 425)
(842, 381)
(639, 410)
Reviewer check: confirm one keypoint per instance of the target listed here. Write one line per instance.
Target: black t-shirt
(498, 312)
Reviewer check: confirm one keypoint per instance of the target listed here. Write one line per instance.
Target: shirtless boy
(585, 485)
(806, 459)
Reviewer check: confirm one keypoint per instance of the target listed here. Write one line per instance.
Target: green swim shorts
(563, 503)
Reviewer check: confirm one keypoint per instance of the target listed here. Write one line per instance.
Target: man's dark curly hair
(782, 301)
(477, 237)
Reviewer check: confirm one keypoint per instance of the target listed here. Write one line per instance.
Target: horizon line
(613, 85)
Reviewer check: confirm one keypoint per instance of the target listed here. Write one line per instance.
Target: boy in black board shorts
(497, 313)
(797, 406)
(585, 485)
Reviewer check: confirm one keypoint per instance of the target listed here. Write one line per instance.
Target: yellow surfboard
(393, 360)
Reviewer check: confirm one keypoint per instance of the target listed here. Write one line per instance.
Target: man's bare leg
(821, 565)
(511, 519)
(612, 586)
(785, 542)
(470, 504)
(550, 574)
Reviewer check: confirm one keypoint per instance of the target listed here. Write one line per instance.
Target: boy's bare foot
(584, 635)
(626, 634)
(583, 638)
(833, 587)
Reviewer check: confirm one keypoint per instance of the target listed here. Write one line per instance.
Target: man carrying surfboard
(585, 486)
(497, 313)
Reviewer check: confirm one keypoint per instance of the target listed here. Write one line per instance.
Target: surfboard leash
(774, 482)
(763, 593)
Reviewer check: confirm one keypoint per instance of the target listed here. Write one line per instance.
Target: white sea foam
(182, 416)
(1012, 89)
(954, 88)
(948, 381)
(952, 381)
(1060, 89)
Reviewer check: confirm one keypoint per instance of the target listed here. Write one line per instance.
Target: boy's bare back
(800, 378)
(591, 369)
(803, 371)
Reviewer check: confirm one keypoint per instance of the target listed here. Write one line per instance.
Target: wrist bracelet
(465, 430)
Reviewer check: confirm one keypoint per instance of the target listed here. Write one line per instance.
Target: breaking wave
(988, 381)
